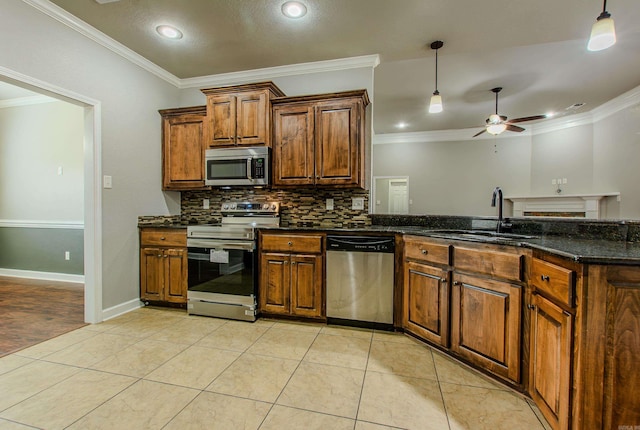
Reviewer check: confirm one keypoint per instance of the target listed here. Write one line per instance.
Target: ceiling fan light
(496, 129)
(603, 33)
(435, 106)
(494, 119)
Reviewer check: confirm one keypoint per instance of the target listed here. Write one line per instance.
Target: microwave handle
(249, 168)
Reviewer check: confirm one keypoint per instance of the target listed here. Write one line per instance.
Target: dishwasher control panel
(361, 243)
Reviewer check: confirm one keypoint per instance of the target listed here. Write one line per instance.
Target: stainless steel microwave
(226, 167)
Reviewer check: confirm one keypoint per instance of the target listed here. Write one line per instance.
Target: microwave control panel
(258, 168)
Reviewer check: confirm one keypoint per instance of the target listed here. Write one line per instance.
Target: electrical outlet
(205, 203)
(67, 255)
(559, 181)
(329, 204)
(357, 203)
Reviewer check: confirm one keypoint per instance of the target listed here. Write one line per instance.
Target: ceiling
(535, 50)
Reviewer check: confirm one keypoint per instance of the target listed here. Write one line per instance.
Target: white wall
(457, 178)
(42, 48)
(616, 159)
(35, 140)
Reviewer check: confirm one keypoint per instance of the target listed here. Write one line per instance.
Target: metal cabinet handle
(456, 283)
(293, 263)
(165, 255)
(424, 251)
(159, 255)
(289, 243)
(532, 307)
(443, 280)
(544, 278)
(162, 238)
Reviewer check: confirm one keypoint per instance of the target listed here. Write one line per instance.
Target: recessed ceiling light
(169, 32)
(549, 114)
(402, 125)
(294, 9)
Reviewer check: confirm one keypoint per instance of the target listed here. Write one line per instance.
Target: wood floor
(32, 311)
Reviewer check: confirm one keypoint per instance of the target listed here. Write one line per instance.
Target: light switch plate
(329, 204)
(107, 182)
(357, 203)
(205, 203)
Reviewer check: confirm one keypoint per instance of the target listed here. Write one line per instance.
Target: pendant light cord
(437, 72)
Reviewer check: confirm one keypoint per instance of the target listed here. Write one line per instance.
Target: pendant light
(436, 99)
(603, 33)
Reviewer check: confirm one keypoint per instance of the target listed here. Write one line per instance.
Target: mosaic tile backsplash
(298, 207)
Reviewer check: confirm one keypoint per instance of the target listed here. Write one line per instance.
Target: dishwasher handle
(385, 244)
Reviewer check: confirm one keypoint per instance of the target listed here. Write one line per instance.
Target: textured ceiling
(536, 50)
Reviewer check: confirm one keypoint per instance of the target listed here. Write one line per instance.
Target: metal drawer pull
(532, 307)
(424, 251)
(162, 238)
(289, 243)
(544, 278)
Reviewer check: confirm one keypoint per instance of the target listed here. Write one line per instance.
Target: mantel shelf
(560, 205)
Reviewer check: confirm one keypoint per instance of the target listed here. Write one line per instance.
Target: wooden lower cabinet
(426, 302)
(163, 265)
(550, 360)
(163, 275)
(486, 324)
(291, 284)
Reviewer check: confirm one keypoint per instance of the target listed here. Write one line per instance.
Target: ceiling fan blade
(515, 128)
(480, 132)
(527, 118)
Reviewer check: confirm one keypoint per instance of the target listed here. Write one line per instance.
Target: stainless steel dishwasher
(360, 280)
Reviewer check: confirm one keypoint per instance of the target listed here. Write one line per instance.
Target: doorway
(391, 195)
(92, 202)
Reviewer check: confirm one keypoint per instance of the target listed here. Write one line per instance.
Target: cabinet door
(306, 285)
(485, 324)
(275, 283)
(550, 366)
(175, 275)
(221, 112)
(336, 146)
(183, 152)
(426, 300)
(151, 274)
(293, 145)
(251, 119)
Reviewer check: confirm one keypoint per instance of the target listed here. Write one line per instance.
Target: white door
(398, 197)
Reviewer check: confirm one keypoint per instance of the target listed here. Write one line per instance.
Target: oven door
(222, 267)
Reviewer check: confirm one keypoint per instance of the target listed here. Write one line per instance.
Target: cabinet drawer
(494, 263)
(163, 237)
(417, 248)
(553, 281)
(292, 243)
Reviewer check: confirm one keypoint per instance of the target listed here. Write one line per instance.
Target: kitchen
(127, 121)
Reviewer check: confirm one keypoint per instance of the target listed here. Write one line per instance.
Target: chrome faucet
(497, 193)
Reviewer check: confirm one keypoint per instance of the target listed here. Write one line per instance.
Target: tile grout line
(275, 402)
(444, 404)
(364, 377)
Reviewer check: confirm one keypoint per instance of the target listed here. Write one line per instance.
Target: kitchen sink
(478, 235)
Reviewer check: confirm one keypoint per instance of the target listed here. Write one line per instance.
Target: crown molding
(26, 101)
(460, 135)
(71, 21)
(245, 76)
(623, 101)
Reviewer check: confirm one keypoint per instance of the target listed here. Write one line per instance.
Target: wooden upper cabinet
(320, 139)
(337, 145)
(293, 152)
(239, 115)
(183, 148)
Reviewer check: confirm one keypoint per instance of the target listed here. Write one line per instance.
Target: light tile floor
(162, 369)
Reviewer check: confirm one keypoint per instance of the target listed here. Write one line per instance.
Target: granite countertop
(574, 247)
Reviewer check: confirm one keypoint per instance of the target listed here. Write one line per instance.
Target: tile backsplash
(298, 207)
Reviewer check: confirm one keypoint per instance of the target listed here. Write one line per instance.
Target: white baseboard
(120, 309)
(45, 276)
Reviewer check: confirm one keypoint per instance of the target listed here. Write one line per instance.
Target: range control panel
(267, 208)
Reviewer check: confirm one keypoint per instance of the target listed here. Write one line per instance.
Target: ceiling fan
(496, 124)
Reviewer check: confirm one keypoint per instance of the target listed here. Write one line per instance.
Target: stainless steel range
(223, 261)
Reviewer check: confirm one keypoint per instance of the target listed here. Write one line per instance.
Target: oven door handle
(221, 244)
